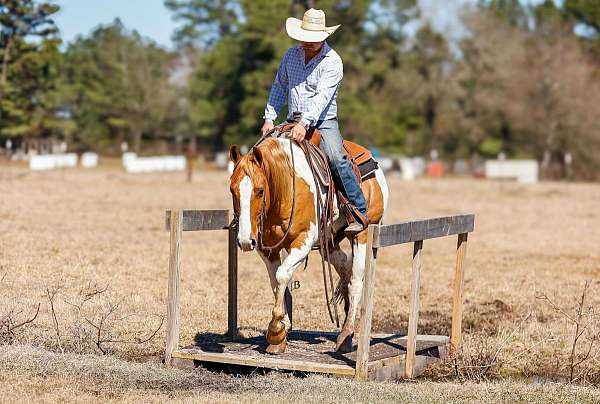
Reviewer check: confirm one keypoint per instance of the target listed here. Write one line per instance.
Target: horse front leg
(273, 262)
(277, 331)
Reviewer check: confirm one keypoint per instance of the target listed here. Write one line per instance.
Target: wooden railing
(379, 236)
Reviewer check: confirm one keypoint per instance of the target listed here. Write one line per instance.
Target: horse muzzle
(247, 244)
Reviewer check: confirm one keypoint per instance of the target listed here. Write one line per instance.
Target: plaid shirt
(308, 88)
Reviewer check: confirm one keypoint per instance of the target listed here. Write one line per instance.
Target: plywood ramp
(313, 352)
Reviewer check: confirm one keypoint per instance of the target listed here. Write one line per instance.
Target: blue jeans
(341, 167)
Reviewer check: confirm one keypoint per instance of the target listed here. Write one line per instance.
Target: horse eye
(260, 192)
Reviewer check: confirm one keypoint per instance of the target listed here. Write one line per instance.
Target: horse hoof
(277, 349)
(276, 333)
(344, 343)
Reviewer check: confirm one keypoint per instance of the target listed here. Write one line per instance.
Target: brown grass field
(90, 248)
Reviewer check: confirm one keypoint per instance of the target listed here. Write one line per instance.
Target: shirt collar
(323, 53)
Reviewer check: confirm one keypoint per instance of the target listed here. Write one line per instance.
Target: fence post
(232, 280)
(413, 315)
(174, 283)
(457, 300)
(366, 309)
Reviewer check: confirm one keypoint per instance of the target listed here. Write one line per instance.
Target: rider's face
(312, 47)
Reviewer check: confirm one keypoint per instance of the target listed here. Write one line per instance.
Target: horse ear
(257, 155)
(234, 153)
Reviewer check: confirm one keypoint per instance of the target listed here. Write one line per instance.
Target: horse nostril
(253, 243)
(239, 244)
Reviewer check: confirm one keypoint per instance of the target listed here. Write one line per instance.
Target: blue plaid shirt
(308, 88)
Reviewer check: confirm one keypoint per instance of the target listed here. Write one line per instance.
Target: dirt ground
(89, 247)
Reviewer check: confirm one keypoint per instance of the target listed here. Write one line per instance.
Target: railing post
(457, 299)
(232, 281)
(172, 343)
(366, 309)
(413, 315)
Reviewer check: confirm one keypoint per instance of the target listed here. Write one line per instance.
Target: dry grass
(32, 373)
(77, 232)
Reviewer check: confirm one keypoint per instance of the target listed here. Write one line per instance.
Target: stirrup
(354, 228)
(359, 224)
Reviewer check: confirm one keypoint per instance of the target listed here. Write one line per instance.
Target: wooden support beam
(201, 220)
(413, 315)
(176, 225)
(420, 230)
(232, 281)
(457, 298)
(366, 309)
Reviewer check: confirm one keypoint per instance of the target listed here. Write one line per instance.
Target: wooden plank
(420, 230)
(172, 342)
(457, 298)
(366, 309)
(314, 350)
(200, 220)
(232, 281)
(413, 315)
(266, 361)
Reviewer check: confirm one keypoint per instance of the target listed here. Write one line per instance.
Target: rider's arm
(279, 91)
(326, 88)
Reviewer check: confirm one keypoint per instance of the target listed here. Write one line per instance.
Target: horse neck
(279, 176)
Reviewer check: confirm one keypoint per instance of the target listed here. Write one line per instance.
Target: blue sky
(151, 19)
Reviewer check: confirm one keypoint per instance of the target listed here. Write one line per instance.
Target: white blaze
(245, 229)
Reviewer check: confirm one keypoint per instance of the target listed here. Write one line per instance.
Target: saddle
(363, 163)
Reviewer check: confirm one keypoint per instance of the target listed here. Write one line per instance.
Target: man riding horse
(280, 200)
(308, 78)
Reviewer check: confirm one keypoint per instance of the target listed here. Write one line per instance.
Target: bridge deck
(309, 351)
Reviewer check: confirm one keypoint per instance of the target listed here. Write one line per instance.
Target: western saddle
(363, 164)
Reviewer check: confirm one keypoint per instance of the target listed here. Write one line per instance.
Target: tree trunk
(191, 157)
(137, 140)
(5, 60)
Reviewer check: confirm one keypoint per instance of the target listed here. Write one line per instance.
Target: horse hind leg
(342, 264)
(339, 259)
(344, 339)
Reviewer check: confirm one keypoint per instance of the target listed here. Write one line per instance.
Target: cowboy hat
(311, 28)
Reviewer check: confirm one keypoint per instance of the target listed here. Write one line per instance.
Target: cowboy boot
(359, 224)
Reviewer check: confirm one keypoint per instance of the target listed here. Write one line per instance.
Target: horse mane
(275, 165)
(278, 169)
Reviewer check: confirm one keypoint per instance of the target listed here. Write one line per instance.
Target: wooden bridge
(377, 356)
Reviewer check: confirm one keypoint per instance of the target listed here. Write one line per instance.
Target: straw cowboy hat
(311, 28)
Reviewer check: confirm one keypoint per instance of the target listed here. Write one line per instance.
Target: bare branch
(30, 320)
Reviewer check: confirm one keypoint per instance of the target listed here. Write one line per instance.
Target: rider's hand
(267, 126)
(298, 132)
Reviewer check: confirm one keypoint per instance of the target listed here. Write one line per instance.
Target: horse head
(249, 190)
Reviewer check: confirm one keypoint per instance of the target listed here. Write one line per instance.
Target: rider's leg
(341, 167)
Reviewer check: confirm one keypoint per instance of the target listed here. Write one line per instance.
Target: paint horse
(263, 189)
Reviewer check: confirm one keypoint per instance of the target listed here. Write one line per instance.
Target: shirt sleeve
(279, 90)
(326, 90)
